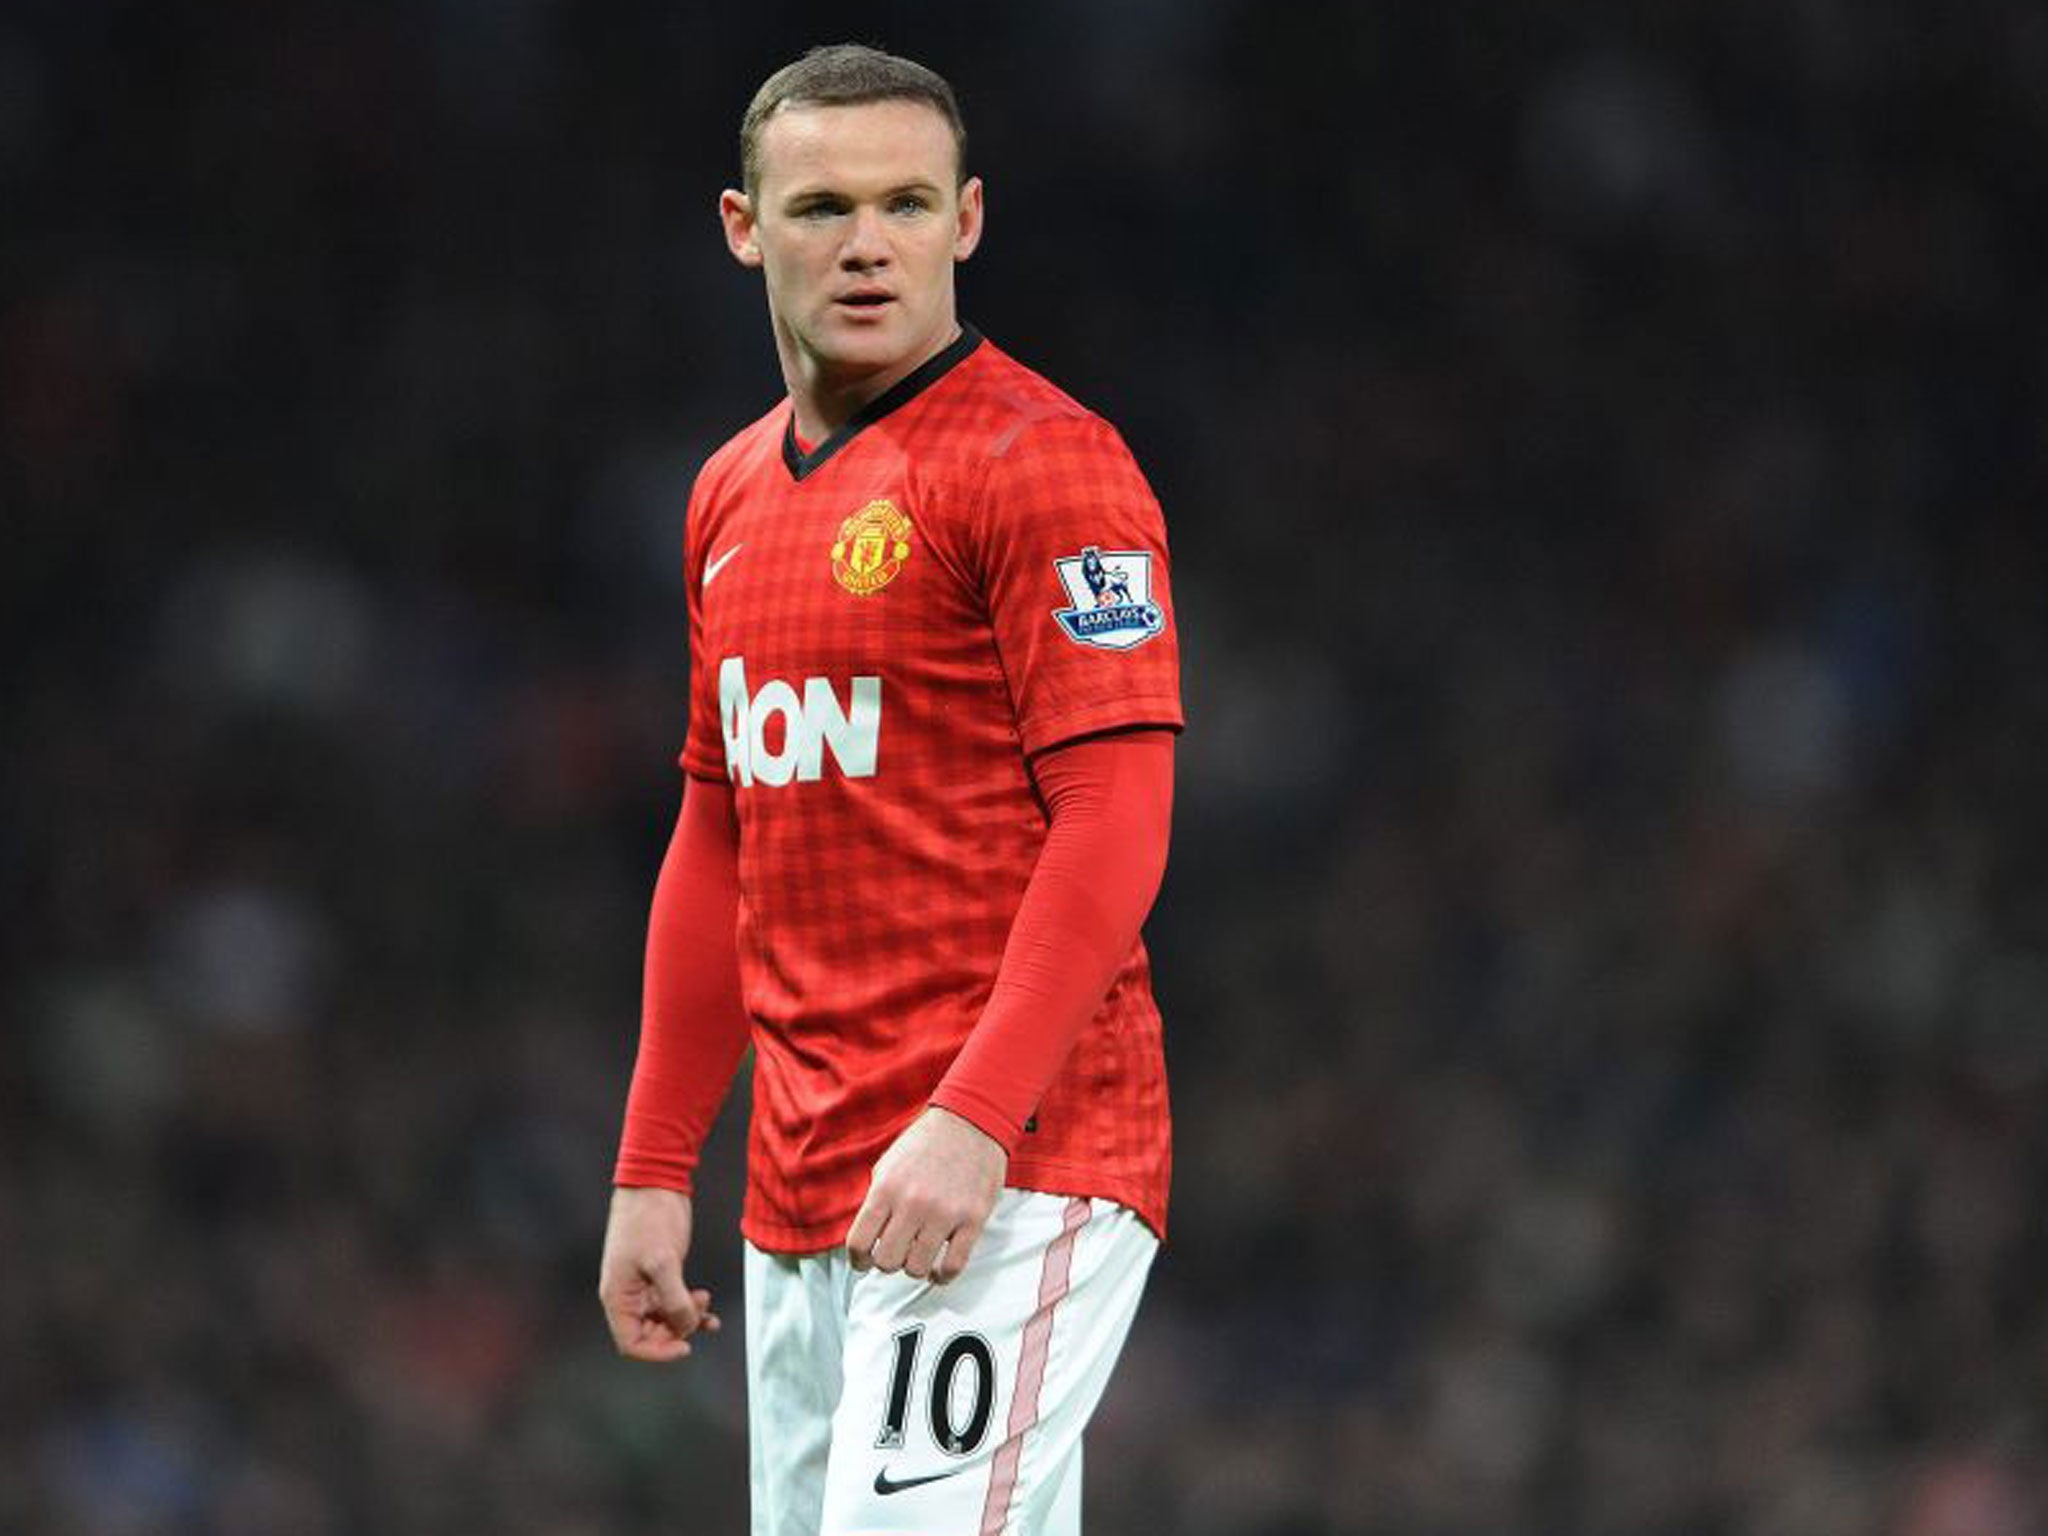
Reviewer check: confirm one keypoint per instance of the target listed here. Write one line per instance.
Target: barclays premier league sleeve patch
(1112, 599)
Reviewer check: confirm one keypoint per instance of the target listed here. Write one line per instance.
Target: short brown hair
(844, 75)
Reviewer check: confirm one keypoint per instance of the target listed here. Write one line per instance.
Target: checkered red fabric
(877, 643)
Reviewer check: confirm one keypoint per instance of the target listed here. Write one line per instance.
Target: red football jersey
(882, 629)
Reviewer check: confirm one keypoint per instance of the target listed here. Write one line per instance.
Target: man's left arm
(933, 1190)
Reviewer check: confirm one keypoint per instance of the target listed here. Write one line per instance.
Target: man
(913, 734)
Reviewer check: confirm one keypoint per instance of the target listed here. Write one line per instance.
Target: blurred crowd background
(1606, 951)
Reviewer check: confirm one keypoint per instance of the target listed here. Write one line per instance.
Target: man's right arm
(693, 1032)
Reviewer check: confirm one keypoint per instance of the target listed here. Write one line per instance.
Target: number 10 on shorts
(959, 1398)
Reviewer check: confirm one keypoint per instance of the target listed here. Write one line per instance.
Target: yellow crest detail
(871, 549)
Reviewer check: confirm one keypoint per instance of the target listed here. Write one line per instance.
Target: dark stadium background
(1606, 950)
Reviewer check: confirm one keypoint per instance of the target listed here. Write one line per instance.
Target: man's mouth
(865, 299)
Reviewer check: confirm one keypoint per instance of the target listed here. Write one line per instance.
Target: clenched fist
(650, 1308)
(930, 1196)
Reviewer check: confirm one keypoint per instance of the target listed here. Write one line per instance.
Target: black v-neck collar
(902, 392)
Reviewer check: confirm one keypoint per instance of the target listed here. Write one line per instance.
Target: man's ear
(967, 234)
(736, 213)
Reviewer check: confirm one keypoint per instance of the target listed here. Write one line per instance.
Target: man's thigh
(796, 1336)
(961, 1407)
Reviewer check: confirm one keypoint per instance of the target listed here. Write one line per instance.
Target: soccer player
(927, 795)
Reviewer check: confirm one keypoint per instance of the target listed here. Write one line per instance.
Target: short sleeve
(704, 747)
(1071, 547)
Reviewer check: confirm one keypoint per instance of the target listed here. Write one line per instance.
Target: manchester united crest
(871, 548)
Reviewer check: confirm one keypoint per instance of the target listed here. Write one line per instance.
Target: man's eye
(817, 210)
(908, 204)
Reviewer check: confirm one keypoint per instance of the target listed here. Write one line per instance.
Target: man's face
(856, 225)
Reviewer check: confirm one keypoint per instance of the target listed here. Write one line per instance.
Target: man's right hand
(651, 1311)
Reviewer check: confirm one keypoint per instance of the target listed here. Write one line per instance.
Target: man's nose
(867, 241)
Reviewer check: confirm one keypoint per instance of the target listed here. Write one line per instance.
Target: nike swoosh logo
(712, 570)
(886, 1485)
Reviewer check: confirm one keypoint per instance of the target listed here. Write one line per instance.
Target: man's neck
(825, 400)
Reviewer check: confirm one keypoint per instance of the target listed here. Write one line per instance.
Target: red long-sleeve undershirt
(1074, 929)
(693, 1026)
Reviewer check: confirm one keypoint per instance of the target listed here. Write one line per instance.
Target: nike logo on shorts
(886, 1485)
(718, 565)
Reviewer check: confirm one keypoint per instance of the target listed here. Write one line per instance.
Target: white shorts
(878, 1403)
